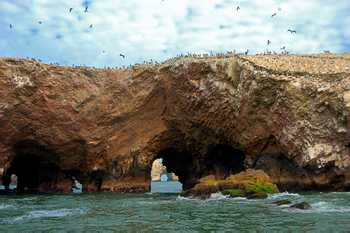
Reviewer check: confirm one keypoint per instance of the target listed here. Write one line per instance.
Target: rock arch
(105, 127)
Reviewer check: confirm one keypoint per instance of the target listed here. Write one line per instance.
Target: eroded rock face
(286, 115)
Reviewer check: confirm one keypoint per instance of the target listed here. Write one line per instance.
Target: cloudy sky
(160, 29)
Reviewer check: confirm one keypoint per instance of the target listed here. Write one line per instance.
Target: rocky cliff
(287, 115)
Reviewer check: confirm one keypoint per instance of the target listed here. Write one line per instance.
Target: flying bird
(90, 26)
(238, 8)
(279, 8)
(291, 31)
(40, 22)
(122, 55)
(86, 9)
(273, 15)
(70, 10)
(103, 51)
(268, 42)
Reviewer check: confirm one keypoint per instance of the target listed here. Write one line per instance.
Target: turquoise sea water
(159, 212)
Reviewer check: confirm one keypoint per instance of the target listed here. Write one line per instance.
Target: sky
(160, 29)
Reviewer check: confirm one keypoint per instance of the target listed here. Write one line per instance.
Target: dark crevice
(34, 165)
(182, 164)
(97, 178)
(224, 160)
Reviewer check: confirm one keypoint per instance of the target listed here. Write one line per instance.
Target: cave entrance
(164, 181)
(223, 160)
(34, 166)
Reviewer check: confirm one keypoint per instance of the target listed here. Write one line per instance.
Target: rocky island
(286, 115)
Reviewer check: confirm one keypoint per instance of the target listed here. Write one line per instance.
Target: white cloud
(156, 29)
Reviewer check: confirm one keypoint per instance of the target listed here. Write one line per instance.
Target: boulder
(302, 205)
(250, 183)
(282, 202)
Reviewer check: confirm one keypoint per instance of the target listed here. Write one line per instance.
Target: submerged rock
(301, 205)
(282, 202)
(257, 195)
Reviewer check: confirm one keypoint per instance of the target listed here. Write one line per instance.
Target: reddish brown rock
(286, 115)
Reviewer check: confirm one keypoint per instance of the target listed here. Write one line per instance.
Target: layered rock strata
(286, 115)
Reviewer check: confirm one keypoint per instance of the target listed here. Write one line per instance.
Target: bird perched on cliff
(246, 52)
(283, 48)
(268, 42)
(70, 10)
(122, 55)
(238, 8)
(11, 26)
(291, 31)
(86, 9)
(273, 15)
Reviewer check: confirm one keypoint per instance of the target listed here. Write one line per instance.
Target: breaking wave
(283, 195)
(321, 207)
(43, 214)
(4, 206)
(217, 196)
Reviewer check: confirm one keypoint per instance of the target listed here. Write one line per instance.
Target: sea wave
(4, 206)
(36, 214)
(217, 196)
(283, 195)
(321, 207)
(182, 198)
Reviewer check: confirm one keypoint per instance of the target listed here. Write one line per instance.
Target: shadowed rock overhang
(287, 115)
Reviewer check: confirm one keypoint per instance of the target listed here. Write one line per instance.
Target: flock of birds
(268, 41)
(90, 26)
(283, 49)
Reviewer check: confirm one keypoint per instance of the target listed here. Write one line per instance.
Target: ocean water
(160, 212)
(166, 187)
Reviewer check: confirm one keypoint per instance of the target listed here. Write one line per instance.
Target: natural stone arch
(200, 103)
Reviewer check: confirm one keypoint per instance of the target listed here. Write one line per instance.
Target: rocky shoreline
(286, 115)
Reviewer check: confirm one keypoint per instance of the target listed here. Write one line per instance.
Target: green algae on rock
(250, 183)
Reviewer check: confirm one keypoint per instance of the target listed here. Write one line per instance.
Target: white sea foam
(240, 198)
(217, 196)
(4, 206)
(43, 214)
(28, 199)
(321, 207)
(282, 195)
(182, 198)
